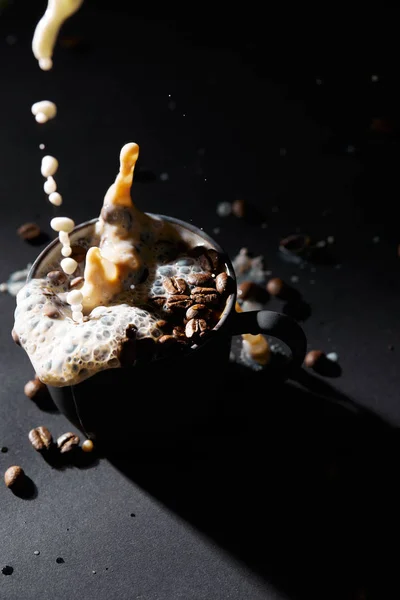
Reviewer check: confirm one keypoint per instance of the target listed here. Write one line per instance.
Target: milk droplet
(66, 251)
(50, 185)
(55, 198)
(68, 265)
(49, 165)
(62, 224)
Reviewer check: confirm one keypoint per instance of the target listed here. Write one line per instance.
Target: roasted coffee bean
(194, 327)
(175, 285)
(249, 290)
(276, 287)
(198, 311)
(178, 302)
(206, 262)
(49, 310)
(78, 253)
(203, 290)
(14, 477)
(197, 251)
(15, 337)
(167, 339)
(199, 278)
(34, 387)
(40, 438)
(29, 231)
(179, 333)
(67, 442)
(223, 283)
(205, 298)
(76, 282)
(158, 300)
(313, 357)
(239, 208)
(56, 277)
(162, 324)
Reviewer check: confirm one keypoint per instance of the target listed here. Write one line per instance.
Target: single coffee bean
(239, 208)
(245, 289)
(199, 279)
(205, 298)
(276, 287)
(209, 261)
(198, 311)
(14, 477)
(78, 253)
(313, 357)
(50, 311)
(15, 337)
(34, 387)
(67, 442)
(223, 283)
(162, 324)
(197, 251)
(175, 285)
(203, 290)
(76, 283)
(29, 231)
(194, 327)
(56, 277)
(178, 302)
(40, 438)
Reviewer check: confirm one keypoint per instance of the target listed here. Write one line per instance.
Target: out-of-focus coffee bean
(239, 208)
(67, 442)
(56, 277)
(29, 231)
(76, 282)
(245, 290)
(14, 477)
(200, 279)
(210, 260)
(34, 387)
(175, 285)
(276, 287)
(313, 357)
(40, 438)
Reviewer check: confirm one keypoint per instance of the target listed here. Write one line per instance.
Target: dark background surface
(297, 496)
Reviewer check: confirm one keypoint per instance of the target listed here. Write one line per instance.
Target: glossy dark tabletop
(295, 496)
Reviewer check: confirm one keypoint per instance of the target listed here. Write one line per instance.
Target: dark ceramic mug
(147, 405)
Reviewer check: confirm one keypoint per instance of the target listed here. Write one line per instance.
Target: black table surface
(297, 496)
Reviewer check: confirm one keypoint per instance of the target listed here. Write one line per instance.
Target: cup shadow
(294, 479)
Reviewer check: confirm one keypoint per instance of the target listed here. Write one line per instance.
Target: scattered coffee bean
(56, 277)
(40, 438)
(34, 387)
(7, 570)
(199, 278)
(15, 337)
(50, 311)
(178, 302)
(36, 552)
(246, 290)
(276, 287)
(78, 253)
(14, 477)
(29, 231)
(4, 449)
(195, 327)
(198, 311)
(313, 357)
(175, 285)
(239, 208)
(67, 442)
(88, 446)
(76, 282)
(60, 560)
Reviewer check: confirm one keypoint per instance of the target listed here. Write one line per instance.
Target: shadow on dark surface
(75, 458)
(298, 309)
(300, 486)
(28, 491)
(44, 401)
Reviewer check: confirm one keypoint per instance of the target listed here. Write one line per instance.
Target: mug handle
(277, 325)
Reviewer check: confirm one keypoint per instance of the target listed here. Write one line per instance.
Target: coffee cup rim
(231, 301)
